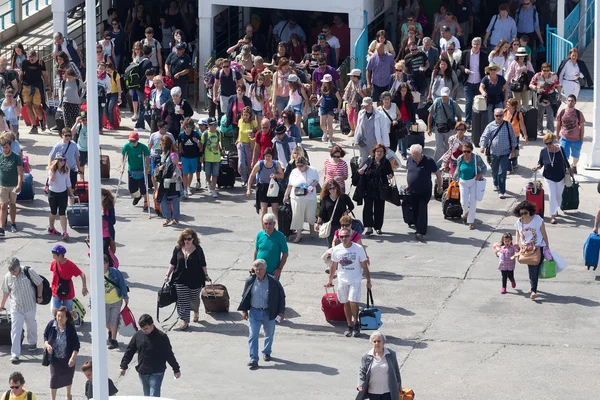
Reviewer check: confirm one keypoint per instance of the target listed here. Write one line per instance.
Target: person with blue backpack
(444, 112)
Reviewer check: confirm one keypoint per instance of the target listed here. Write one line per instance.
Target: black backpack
(46, 289)
(7, 395)
(134, 77)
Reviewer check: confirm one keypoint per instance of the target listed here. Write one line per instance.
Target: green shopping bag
(548, 270)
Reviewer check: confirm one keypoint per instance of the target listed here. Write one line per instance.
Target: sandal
(167, 222)
(553, 220)
(471, 226)
(183, 327)
(175, 222)
(297, 239)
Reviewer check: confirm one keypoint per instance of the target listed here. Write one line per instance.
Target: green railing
(557, 48)
(344, 69)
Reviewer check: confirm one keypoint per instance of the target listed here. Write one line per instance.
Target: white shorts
(349, 291)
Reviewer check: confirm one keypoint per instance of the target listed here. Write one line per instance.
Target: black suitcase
(451, 208)
(408, 212)
(423, 112)
(415, 138)
(344, 123)
(445, 183)
(5, 328)
(227, 173)
(531, 116)
(354, 167)
(478, 124)
(284, 219)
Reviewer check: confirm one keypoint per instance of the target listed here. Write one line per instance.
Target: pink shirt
(337, 171)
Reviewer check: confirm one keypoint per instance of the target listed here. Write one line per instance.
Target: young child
(506, 253)
(12, 110)
(524, 42)
(89, 388)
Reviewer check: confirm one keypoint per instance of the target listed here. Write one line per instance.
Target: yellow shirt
(22, 396)
(244, 127)
(114, 78)
(111, 295)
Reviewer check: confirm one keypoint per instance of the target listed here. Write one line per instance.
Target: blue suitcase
(591, 251)
(27, 188)
(78, 215)
(370, 316)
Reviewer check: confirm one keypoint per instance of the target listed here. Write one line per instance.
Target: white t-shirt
(379, 382)
(349, 259)
(531, 233)
(334, 42)
(444, 43)
(392, 112)
(298, 178)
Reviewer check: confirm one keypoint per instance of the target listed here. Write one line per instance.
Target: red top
(67, 271)
(264, 141)
(404, 112)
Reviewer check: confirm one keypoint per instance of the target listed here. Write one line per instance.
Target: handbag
(481, 188)
(548, 270)
(357, 225)
(300, 191)
(167, 295)
(407, 394)
(325, 228)
(370, 316)
(530, 256)
(391, 194)
(273, 190)
(64, 286)
(45, 358)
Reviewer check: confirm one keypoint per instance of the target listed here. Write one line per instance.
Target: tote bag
(481, 188)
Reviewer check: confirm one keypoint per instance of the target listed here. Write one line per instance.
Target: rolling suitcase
(78, 215)
(591, 251)
(535, 195)
(227, 173)
(284, 219)
(354, 167)
(215, 298)
(332, 308)
(82, 190)
(423, 112)
(104, 167)
(415, 138)
(5, 327)
(479, 122)
(445, 183)
(27, 188)
(344, 123)
(530, 117)
(312, 125)
(451, 208)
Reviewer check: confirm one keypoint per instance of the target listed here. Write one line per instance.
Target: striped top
(23, 296)
(337, 171)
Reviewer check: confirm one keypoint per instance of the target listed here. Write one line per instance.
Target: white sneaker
(189, 191)
(330, 144)
(324, 138)
(134, 117)
(198, 185)
(214, 193)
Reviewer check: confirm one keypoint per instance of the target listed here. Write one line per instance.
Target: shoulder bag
(64, 286)
(450, 122)
(488, 151)
(325, 228)
(530, 256)
(397, 129)
(568, 179)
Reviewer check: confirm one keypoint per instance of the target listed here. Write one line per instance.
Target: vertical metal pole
(560, 18)
(595, 153)
(99, 351)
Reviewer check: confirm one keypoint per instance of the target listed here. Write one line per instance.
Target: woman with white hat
(354, 92)
(518, 75)
(298, 100)
(493, 88)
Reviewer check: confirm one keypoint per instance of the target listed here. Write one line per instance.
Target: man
(271, 246)
(177, 67)
(138, 168)
(527, 20)
(63, 270)
(463, 10)
(24, 291)
(227, 79)
(310, 60)
(352, 261)
(327, 51)
(9, 76)
(257, 40)
(417, 65)
(11, 182)
(432, 53)
(444, 112)
(322, 70)
(418, 177)
(447, 24)
(154, 351)
(501, 26)
(112, 15)
(245, 41)
(379, 70)
(471, 70)
(370, 129)
(333, 42)
(447, 38)
(33, 75)
(570, 126)
(499, 135)
(145, 66)
(16, 382)
(69, 46)
(70, 151)
(156, 55)
(283, 144)
(341, 31)
(262, 304)
(282, 32)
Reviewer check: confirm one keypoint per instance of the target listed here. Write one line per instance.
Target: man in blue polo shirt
(271, 246)
(501, 26)
(379, 70)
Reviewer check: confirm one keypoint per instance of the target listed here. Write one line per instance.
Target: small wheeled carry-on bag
(446, 179)
(535, 194)
(215, 298)
(5, 327)
(104, 166)
(27, 188)
(332, 308)
(344, 123)
(370, 317)
(451, 208)
(591, 251)
(227, 172)
(82, 190)
(78, 215)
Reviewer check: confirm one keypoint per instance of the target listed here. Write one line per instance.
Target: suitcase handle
(370, 297)
(214, 293)
(78, 201)
(337, 301)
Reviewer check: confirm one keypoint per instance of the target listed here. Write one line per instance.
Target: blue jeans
(534, 272)
(165, 208)
(109, 108)
(256, 318)
(152, 383)
(141, 100)
(471, 90)
(499, 168)
(491, 108)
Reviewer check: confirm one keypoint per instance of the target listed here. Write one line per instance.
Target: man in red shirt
(342, 31)
(63, 271)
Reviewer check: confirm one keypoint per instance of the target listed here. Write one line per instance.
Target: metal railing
(344, 69)
(557, 48)
(588, 31)
(361, 47)
(572, 26)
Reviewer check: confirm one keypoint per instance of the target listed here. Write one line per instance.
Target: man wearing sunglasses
(500, 137)
(527, 19)
(16, 382)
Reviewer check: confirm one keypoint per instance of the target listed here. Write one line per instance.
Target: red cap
(134, 136)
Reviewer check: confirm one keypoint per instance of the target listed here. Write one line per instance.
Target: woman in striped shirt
(336, 168)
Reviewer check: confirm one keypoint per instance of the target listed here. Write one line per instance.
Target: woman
(108, 47)
(405, 103)
(470, 168)
(493, 87)
(377, 171)
(298, 100)
(442, 76)
(70, 96)
(353, 94)
(17, 57)
(235, 106)
(63, 63)
(113, 96)
(281, 53)
(455, 146)
(259, 97)
(398, 77)
(381, 38)
(190, 150)
(379, 373)
(59, 191)
(104, 83)
(403, 49)
(247, 130)
(297, 152)
(137, 56)
(62, 344)
(158, 98)
(291, 128)
(519, 75)
(169, 178)
(515, 118)
(334, 204)
(178, 37)
(281, 92)
(573, 73)
(547, 87)
(115, 291)
(297, 49)
(512, 51)
(302, 190)
(531, 234)
(100, 55)
(176, 110)
(109, 220)
(188, 269)
(265, 170)
(552, 159)
(119, 40)
(329, 103)
(336, 168)
(499, 56)
(392, 118)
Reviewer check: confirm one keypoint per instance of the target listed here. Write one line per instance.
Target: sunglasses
(226, 66)
(189, 126)
(498, 116)
(269, 223)
(398, 70)
(98, 51)
(344, 236)
(545, 70)
(547, 143)
(524, 213)
(336, 156)
(133, 141)
(14, 387)
(466, 151)
(188, 238)
(322, 65)
(332, 188)
(61, 159)
(67, 135)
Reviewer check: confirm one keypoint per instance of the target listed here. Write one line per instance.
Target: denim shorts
(323, 112)
(189, 165)
(298, 109)
(258, 113)
(56, 303)
(571, 148)
(211, 169)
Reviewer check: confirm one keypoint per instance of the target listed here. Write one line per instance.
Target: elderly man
(33, 75)
(69, 46)
(418, 177)
(177, 67)
(379, 70)
(500, 137)
(352, 261)
(370, 129)
(271, 246)
(262, 304)
(445, 112)
(11, 181)
(432, 53)
(9, 76)
(24, 289)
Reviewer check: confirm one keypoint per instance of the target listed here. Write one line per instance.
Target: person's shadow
(287, 365)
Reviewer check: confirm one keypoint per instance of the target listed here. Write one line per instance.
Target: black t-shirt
(495, 93)
(462, 11)
(189, 147)
(418, 175)
(189, 272)
(32, 73)
(227, 83)
(177, 64)
(413, 63)
(89, 389)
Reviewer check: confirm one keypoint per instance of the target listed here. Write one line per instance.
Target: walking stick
(147, 189)
(121, 176)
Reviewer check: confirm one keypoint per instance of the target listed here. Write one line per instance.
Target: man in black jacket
(471, 71)
(263, 303)
(154, 351)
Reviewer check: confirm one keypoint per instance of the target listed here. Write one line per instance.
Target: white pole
(99, 352)
(560, 18)
(595, 153)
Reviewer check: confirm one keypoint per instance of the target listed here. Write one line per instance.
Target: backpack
(7, 395)
(562, 113)
(46, 289)
(134, 76)
(72, 52)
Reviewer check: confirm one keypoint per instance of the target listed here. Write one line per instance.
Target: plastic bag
(126, 325)
(481, 188)
(273, 190)
(548, 270)
(561, 265)
(393, 159)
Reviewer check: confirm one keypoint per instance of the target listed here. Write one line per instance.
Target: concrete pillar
(18, 10)
(205, 45)
(560, 18)
(245, 18)
(595, 153)
(356, 22)
(59, 17)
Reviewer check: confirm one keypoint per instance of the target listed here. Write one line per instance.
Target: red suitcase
(536, 196)
(26, 119)
(82, 190)
(332, 308)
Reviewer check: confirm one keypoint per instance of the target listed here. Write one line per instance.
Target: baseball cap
(445, 92)
(292, 78)
(180, 46)
(211, 121)
(367, 101)
(203, 121)
(134, 136)
(59, 249)
(327, 78)
(355, 72)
